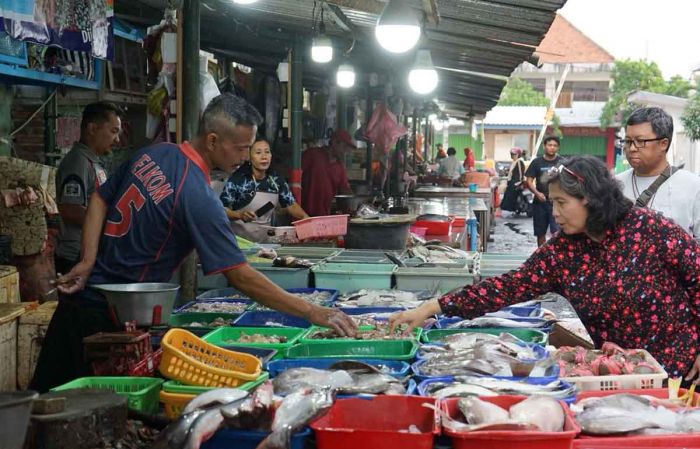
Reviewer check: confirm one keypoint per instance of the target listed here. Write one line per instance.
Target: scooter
(524, 200)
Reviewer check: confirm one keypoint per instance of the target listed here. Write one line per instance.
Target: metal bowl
(146, 303)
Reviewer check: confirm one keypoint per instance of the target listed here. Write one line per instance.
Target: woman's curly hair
(603, 193)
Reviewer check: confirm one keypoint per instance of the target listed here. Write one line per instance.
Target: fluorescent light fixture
(398, 28)
(322, 49)
(345, 77)
(423, 77)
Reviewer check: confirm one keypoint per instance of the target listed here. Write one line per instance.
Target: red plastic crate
(326, 226)
(377, 423)
(637, 441)
(458, 222)
(510, 439)
(435, 227)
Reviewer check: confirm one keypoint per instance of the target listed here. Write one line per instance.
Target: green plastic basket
(527, 335)
(221, 337)
(305, 338)
(377, 349)
(173, 386)
(141, 391)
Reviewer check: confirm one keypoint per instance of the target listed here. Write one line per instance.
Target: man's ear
(210, 141)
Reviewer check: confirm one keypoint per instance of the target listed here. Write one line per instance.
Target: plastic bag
(383, 129)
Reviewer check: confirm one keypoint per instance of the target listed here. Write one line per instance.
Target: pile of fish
(218, 322)
(379, 332)
(500, 319)
(622, 414)
(381, 298)
(257, 338)
(610, 360)
(432, 254)
(538, 413)
(235, 409)
(218, 307)
(291, 262)
(317, 297)
(481, 355)
(371, 319)
(464, 386)
(347, 377)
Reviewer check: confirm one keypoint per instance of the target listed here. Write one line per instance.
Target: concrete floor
(513, 235)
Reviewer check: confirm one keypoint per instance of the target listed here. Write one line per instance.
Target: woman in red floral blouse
(632, 275)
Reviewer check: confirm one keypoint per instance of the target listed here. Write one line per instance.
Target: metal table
(457, 206)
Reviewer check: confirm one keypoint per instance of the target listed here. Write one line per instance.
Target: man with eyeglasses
(535, 175)
(652, 182)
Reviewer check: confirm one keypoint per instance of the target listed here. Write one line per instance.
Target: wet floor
(513, 235)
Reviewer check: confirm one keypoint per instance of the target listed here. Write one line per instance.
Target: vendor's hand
(412, 318)
(335, 319)
(246, 216)
(694, 372)
(540, 197)
(75, 280)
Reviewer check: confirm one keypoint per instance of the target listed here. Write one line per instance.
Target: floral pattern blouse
(639, 287)
(241, 187)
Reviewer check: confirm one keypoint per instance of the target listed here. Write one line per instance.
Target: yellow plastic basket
(174, 403)
(192, 361)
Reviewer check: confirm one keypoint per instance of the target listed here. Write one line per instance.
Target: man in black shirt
(542, 217)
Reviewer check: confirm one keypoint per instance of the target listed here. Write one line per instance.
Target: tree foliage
(521, 93)
(629, 76)
(691, 116)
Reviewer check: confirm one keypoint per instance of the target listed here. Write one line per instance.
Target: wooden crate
(9, 284)
(30, 339)
(9, 314)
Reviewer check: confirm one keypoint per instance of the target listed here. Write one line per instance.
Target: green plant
(521, 93)
(691, 118)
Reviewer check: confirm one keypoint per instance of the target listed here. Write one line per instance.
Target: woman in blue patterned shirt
(253, 186)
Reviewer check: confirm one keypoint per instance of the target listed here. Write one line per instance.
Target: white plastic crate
(623, 381)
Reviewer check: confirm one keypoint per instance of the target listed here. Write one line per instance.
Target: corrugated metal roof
(491, 36)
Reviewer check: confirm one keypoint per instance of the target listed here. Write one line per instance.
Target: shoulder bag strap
(647, 195)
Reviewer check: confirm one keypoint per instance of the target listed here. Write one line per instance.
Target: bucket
(473, 187)
(377, 235)
(15, 409)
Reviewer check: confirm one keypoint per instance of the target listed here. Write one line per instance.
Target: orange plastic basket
(192, 361)
(174, 403)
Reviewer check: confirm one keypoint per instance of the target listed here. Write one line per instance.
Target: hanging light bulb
(398, 28)
(439, 125)
(244, 2)
(321, 46)
(423, 77)
(345, 77)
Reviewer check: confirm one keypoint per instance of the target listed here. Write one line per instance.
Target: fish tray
(221, 337)
(306, 337)
(397, 369)
(284, 277)
(348, 277)
(637, 441)
(526, 335)
(386, 350)
(191, 360)
(510, 439)
(266, 318)
(441, 279)
(249, 439)
(185, 309)
(422, 387)
(622, 381)
(223, 294)
(184, 320)
(142, 392)
(378, 423)
(331, 300)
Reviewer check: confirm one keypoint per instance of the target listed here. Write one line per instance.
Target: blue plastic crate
(423, 385)
(189, 304)
(334, 293)
(261, 318)
(248, 439)
(397, 369)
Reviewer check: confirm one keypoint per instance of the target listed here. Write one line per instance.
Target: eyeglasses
(559, 168)
(638, 143)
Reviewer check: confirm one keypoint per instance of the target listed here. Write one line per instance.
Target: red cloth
(639, 287)
(469, 162)
(321, 180)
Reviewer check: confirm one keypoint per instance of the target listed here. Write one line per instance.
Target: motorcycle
(523, 200)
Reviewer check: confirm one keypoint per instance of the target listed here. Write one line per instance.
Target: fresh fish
(216, 396)
(630, 402)
(175, 434)
(296, 411)
(613, 421)
(477, 411)
(541, 411)
(354, 366)
(463, 390)
(508, 315)
(380, 298)
(688, 421)
(486, 321)
(296, 379)
(204, 427)
(373, 383)
(555, 389)
(256, 412)
(466, 340)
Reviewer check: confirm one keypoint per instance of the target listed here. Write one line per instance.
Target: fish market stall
(458, 232)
